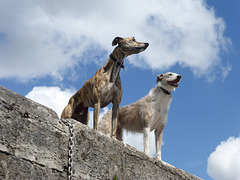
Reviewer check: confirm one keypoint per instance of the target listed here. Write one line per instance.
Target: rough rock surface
(34, 145)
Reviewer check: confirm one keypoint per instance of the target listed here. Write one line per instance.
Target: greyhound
(147, 114)
(104, 87)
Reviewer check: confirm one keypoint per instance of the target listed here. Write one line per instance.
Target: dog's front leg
(114, 118)
(158, 142)
(146, 132)
(96, 114)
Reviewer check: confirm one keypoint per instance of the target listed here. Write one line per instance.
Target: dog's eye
(170, 74)
(133, 39)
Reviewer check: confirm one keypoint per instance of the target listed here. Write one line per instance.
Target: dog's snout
(146, 44)
(179, 77)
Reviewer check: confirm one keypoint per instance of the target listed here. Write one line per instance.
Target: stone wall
(34, 145)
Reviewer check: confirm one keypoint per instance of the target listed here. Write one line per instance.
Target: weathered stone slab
(30, 133)
(34, 145)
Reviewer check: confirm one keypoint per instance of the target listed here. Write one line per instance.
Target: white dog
(147, 114)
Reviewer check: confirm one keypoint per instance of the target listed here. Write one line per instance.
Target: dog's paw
(159, 157)
(113, 136)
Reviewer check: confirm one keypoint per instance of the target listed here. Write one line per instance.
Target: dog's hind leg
(81, 114)
(146, 132)
(68, 110)
(84, 117)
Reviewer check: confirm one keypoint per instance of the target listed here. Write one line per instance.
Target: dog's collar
(165, 91)
(116, 61)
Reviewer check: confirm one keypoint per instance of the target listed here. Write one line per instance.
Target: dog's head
(129, 46)
(168, 81)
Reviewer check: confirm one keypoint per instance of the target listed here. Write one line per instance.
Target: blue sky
(49, 49)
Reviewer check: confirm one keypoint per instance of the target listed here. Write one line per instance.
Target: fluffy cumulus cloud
(224, 162)
(39, 38)
(52, 97)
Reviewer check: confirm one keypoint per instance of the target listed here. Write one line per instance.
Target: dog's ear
(159, 77)
(116, 41)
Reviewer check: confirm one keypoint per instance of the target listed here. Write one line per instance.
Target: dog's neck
(116, 61)
(113, 66)
(165, 91)
(118, 55)
(160, 86)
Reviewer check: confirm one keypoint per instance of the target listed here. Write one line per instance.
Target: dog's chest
(108, 93)
(160, 105)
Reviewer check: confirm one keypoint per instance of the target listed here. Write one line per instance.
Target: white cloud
(52, 97)
(224, 162)
(39, 38)
(226, 70)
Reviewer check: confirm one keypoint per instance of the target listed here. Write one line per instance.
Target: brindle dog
(104, 87)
